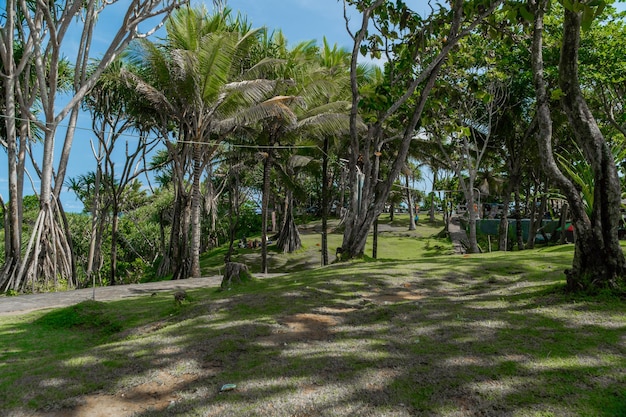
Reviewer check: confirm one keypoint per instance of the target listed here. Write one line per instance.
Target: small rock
(228, 387)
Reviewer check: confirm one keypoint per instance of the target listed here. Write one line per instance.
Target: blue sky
(299, 20)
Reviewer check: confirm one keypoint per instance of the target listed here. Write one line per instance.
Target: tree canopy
(521, 103)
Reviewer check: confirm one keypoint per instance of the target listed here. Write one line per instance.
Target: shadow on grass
(482, 335)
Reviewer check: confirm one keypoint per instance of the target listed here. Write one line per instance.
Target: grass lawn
(417, 332)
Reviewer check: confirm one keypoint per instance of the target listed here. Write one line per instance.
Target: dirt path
(29, 302)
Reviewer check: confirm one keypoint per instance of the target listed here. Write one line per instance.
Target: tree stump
(235, 273)
(180, 296)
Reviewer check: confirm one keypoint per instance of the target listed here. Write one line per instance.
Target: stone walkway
(459, 239)
(29, 302)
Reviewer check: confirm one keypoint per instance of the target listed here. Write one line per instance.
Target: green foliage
(580, 172)
(31, 211)
(249, 221)
(132, 272)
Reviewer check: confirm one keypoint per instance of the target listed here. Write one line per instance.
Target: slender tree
(415, 51)
(42, 28)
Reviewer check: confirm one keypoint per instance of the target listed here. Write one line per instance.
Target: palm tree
(197, 82)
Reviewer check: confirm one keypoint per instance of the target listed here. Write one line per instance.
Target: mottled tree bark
(598, 258)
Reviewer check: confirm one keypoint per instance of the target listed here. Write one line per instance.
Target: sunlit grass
(415, 332)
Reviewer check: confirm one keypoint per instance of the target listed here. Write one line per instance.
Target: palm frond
(155, 97)
(339, 107)
(325, 124)
(251, 91)
(265, 68)
(214, 63)
(276, 108)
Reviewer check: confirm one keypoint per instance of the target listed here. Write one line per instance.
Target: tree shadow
(482, 337)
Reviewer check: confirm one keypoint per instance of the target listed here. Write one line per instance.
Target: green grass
(415, 332)
(395, 242)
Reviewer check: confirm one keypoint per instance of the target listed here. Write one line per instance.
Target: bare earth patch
(155, 395)
(302, 327)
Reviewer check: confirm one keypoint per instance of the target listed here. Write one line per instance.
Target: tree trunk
(598, 258)
(96, 217)
(325, 187)
(409, 201)
(289, 238)
(536, 218)
(563, 223)
(12, 228)
(518, 220)
(503, 227)
(267, 166)
(179, 243)
(432, 196)
(166, 260)
(233, 214)
(472, 210)
(375, 240)
(114, 227)
(196, 223)
(235, 273)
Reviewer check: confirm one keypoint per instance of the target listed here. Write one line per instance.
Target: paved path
(29, 302)
(458, 236)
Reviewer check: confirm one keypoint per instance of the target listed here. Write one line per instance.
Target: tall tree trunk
(96, 216)
(472, 210)
(325, 190)
(598, 258)
(177, 251)
(267, 166)
(196, 225)
(409, 201)
(114, 227)
(432, 196)
(518, 220)
(503, 227)
(536, 216)
(233, 214)
(375, 240)
(165, 264)
(12, 228)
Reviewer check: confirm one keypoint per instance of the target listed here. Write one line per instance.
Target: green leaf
(557, 94)
(512, 15)
(528, 16)
(587, 18)
(568, 5)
